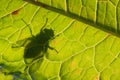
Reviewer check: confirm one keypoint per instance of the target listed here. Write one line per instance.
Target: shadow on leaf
(36, 46)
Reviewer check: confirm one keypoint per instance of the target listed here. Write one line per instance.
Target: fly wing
(21, 43)
(33, 53)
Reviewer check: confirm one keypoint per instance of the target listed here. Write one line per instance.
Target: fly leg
(21, 43)
(42, 29)
(29, 28)
(52, 49)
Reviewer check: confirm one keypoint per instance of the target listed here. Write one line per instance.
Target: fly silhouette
(39, 44)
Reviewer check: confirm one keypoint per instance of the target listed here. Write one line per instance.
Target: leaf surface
(86, 48)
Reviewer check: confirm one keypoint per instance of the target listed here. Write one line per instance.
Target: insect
(36, 46)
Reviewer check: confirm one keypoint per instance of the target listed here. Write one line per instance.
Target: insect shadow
(39, 44)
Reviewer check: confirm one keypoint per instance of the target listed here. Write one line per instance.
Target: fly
(36, 46)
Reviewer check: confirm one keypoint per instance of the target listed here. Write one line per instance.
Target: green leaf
(80, 40)
(5, 77)
(102, 14)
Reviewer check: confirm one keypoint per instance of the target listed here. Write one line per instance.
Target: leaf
(84, 51)
(5, 77)
(102, 14)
